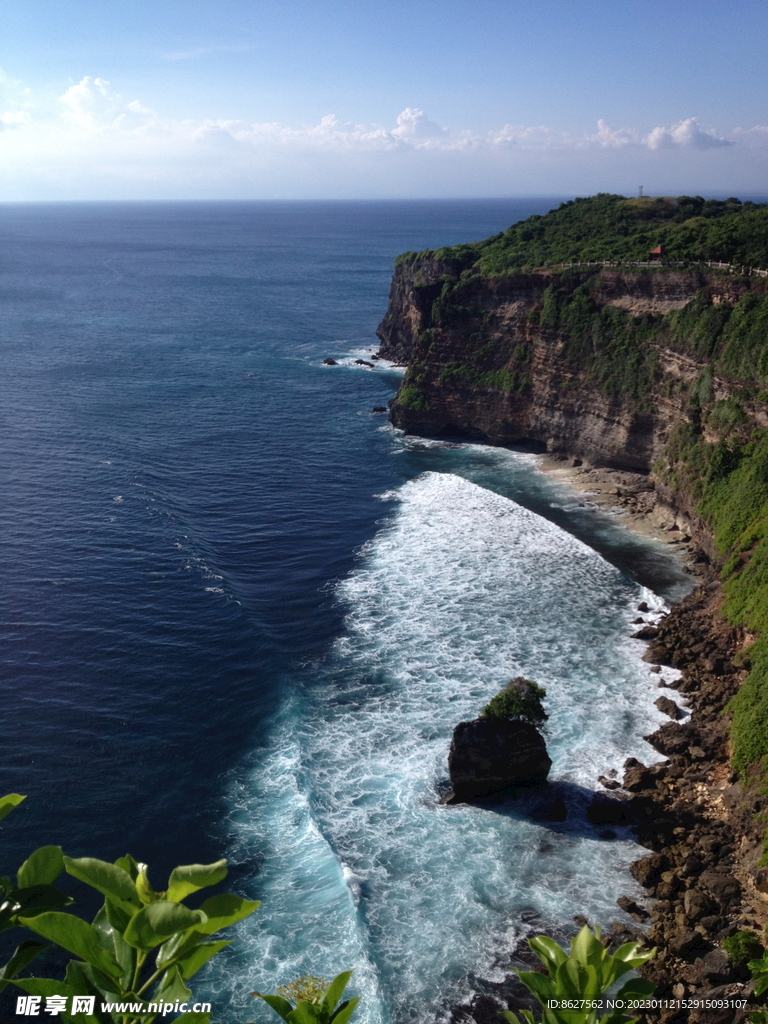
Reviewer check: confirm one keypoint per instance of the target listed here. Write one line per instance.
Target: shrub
(521, 700)
(743, 947)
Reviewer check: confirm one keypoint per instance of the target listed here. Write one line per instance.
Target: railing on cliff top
(737, 268)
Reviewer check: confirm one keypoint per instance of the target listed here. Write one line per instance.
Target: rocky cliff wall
(483, 364)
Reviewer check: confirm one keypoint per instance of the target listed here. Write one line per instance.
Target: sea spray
(359, 865)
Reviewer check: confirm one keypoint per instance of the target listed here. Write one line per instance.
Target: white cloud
(755, 136)
(686, 134)
(91, 107)
(14, 119)
(91, 132)
(607, 136)
(414, 125)
(536, 136)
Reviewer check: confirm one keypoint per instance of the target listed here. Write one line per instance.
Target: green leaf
(8, 909)
(335, 990)
(75, 935)
(281, 1006)
(636, 988)
(200, 956)
(7, 803)
(117, 914)
(24, 954)
(158, 921)
(193, 1018)
(38, 899)
(112, 940)
(541, 985)
(547, 950)
(108, 879)
(129, 865)
(145, 891)
(42, 867)
(178, 945)
(583, 946)
(87, 980)
(172, 988)
(223, 911)
(570, 978)
(345, 1011)
(191, 877)
(305, 1013)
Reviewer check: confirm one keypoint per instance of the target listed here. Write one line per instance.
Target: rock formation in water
(489, 756)
(502, 750)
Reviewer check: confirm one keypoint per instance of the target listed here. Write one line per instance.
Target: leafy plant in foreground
(141, 947)
(582, 976)
(315, 1004)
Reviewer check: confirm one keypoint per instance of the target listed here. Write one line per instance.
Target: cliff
(661, 371)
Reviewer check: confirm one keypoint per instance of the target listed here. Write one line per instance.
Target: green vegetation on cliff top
(611, 227)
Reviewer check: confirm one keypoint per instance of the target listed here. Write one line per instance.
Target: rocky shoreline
(692, 811)
(697, 819)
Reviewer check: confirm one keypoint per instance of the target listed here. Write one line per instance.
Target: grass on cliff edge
(611, 227)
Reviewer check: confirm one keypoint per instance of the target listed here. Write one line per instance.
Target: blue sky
(252, 99)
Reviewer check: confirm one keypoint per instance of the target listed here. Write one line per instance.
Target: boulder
(648, 870)
(491, 755)
(668, 707)
(646, 633)
(683, 944)
(330, 362)
(698, 904)
(631, 907)
(608, 783)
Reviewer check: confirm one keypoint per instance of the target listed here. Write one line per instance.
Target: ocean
(241, 615)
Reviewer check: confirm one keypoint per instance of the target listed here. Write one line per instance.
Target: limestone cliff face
(485, 362)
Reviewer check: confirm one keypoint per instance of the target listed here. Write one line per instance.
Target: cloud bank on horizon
(124, 148)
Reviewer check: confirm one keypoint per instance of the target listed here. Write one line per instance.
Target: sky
(356, 99)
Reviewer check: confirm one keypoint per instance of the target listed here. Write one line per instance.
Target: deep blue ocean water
(241, 615)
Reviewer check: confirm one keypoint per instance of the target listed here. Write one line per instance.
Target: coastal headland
(604, 336)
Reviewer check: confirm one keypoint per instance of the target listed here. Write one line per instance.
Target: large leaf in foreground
(75, 935)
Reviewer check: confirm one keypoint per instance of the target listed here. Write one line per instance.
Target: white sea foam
(359, 865)
(349, 359)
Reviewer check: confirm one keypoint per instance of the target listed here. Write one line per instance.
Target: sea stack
(503, 749)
